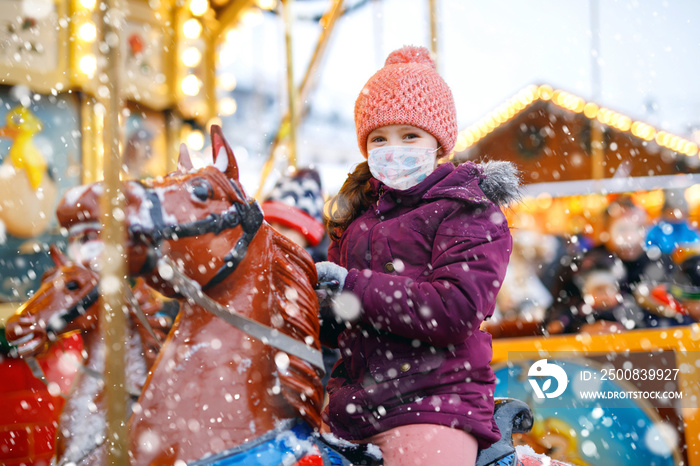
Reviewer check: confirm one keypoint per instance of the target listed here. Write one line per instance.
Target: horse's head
(186, 215)
(63, 303)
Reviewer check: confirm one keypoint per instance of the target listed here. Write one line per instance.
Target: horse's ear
(58, 257)
(184, 162)
(222, 153)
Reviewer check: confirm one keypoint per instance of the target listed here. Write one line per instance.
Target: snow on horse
(66, 302)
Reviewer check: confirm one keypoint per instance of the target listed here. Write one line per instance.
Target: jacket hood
(500, 182)
(495, 181)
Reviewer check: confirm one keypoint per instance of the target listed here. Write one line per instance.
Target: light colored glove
(331, 272)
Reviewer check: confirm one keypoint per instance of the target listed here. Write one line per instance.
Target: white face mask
(401, 167)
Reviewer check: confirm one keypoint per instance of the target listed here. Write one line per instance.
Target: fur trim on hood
(500, 182)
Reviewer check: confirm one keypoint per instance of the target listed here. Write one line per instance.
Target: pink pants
(421, 444)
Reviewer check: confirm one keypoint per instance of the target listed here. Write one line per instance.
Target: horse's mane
(295, 313)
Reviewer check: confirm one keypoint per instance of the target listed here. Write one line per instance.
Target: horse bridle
(53, 327)
(250, 217)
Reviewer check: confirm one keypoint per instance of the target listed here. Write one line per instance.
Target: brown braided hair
(353, 199)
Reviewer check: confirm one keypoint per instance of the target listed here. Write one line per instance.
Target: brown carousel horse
(216, 395)
(213, 387)
(64, 303)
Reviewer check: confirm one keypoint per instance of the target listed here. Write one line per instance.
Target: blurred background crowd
(632, 267)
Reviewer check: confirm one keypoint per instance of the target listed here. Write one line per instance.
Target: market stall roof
(553, 136)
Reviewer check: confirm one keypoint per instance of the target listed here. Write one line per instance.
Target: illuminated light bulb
(199, 7)
(691, 149)
(226, 81)
(660, 138)
(673, 141)
(545, 92)
(528, 95)
(191, 57)
(590, 110)
(87, 32)
(692, 194)
(252, 17)
(636, 129)
(624, 123)
(87, 4)
(191, 85)
(266, 4)
(195, 140)
(614, 117)
(461, 138)
(88, 64)
(557, 97)
(602, 115)
(192, 28)
(228, 106)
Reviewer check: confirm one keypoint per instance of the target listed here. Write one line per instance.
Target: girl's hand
(330, 272)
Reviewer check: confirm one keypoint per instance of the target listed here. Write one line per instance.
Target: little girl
(424, 248)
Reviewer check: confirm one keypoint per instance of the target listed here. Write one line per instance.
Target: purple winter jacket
(426, 264)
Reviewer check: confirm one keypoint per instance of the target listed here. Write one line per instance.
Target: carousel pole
(432, 5)
(597, 150)
(291, 88)
(597, 143)
(113, 266)
(328, 22)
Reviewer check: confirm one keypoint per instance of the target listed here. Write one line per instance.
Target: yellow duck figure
(27, 194)
(22, 125)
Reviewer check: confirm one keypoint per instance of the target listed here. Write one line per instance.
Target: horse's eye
(200, 190)
(72, 285)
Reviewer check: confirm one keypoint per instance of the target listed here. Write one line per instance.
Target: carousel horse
(237, 380)
(64, 303)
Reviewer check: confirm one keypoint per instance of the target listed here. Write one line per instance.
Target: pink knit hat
(407, 91)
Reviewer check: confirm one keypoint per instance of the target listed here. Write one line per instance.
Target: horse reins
(272, 337)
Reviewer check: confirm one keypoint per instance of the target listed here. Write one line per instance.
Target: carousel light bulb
(228, 106)
(88, 64)
(199, 7)
(590, 110)
(87, 32)
(191, 57)
(195, 140)
(191, 85)
(192, 28)
(545, 92)
(87, 4)
(266, 4)
(226, 81)
(252, 17)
